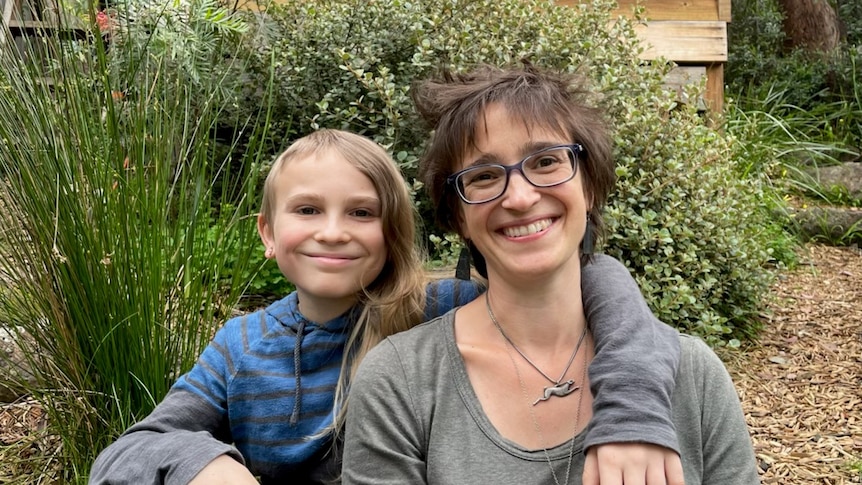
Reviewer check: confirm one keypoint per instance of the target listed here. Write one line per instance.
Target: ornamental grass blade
(127, 189)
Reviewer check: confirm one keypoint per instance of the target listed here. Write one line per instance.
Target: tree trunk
(812, 25)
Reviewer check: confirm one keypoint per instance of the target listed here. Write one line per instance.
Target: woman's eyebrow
(485, 159)
(527, 149)
(535, 146)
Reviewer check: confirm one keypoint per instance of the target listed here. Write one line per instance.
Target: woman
(520, 166)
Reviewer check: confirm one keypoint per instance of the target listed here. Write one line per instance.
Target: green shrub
(682, 219)
(262, 278)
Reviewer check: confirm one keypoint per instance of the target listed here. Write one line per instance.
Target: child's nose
(333, 231)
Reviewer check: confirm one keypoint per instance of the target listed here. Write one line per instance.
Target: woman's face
(529, 232)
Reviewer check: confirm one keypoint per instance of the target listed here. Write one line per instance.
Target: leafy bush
(850, 13)
(681, 218)
(262, 277)
(109, 163)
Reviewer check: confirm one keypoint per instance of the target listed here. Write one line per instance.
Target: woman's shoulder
(424, 342)
(691, 346)
(409, 361)
(431, 333)
(700, 363)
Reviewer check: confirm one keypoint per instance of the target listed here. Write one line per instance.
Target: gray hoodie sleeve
(632, 376)
(170, 446)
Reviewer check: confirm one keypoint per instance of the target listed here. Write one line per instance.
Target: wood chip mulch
(801, 384)
(28, 455)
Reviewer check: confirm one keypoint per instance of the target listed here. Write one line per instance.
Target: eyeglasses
(546, 168)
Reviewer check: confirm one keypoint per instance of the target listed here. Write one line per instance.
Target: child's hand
(632, 464)
(224, 470)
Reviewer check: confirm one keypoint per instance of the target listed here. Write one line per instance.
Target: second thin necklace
(559, 388)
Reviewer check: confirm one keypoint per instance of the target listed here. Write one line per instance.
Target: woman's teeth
(532, 228)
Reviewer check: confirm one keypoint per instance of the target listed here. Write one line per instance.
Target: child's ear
(266, 237)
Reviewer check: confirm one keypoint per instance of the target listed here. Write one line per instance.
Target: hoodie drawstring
(297, 372)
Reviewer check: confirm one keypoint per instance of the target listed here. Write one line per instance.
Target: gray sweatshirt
(414, 418)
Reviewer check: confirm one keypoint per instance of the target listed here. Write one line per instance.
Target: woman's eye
(547, 161)
(481, 177)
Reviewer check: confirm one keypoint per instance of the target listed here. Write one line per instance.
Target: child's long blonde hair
(395, 300)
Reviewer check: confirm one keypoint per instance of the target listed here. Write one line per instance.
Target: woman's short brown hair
(452, 105)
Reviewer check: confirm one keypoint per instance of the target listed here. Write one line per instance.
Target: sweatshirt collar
(286, 311)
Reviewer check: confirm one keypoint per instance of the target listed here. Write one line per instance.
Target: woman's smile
(528, 229)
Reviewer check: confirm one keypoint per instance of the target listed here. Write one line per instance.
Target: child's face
(326, 233)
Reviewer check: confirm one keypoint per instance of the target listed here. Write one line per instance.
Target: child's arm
(183, 434)
(632, 377)
(169, 446)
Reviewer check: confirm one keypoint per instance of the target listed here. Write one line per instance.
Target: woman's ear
(266, 236)
(459, 224)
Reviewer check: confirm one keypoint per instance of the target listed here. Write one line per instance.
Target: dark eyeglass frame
(574, 149)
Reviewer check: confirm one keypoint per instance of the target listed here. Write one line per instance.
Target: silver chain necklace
(559, 388)
(507, 343)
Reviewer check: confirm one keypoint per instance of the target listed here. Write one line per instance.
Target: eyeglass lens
(543, 169)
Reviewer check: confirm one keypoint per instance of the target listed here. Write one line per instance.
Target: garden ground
(801, 384)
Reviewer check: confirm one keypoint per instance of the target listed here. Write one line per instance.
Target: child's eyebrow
(373, 201)
(306, 198)
(318, 199)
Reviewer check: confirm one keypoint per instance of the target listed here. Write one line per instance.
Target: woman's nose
(520, 194)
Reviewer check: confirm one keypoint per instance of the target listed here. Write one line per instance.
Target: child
(267, 397)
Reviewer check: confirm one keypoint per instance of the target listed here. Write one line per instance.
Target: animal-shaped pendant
(562, 389)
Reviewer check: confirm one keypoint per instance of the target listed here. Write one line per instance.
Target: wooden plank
(699, 42)
(667, 9)
(724, 10)
(681, 76)
(7, 16)
(715, 87)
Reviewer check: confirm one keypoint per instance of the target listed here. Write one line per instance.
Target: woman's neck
(540, 316)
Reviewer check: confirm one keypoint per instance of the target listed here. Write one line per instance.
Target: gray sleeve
(383, 442)
(728, 456)
(171, 445)
(632, 376)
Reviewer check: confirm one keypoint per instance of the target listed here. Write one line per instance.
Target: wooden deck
(692, 33)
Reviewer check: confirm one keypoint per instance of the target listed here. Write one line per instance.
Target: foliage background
(681, 218)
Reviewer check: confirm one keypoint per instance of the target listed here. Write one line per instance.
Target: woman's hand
(632, 464)
(224, 470)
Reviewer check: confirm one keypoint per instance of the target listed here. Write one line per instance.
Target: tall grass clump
(120, 176)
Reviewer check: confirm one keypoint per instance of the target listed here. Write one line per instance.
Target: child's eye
(306, 211)
(363, 213)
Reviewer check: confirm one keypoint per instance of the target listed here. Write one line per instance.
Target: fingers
(632, 464)
(591, 468)
(673, 468)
